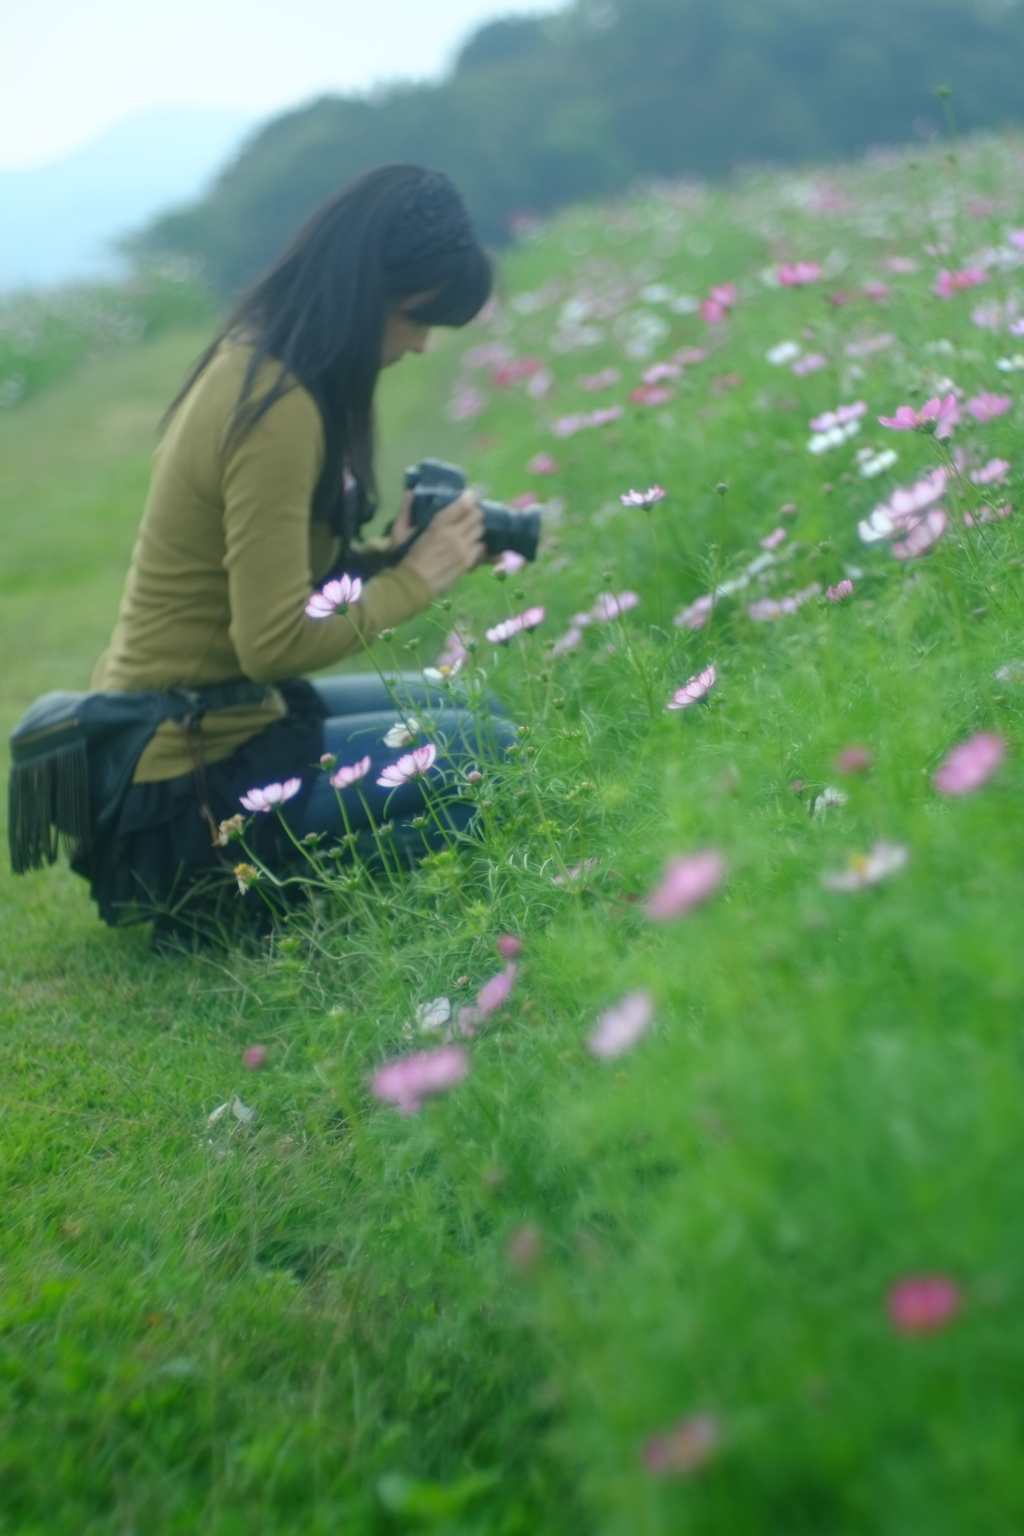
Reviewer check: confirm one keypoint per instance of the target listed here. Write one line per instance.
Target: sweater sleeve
(268, 481)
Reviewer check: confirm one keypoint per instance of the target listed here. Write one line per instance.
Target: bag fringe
(48, 807)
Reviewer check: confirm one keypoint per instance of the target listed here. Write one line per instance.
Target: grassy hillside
(719, 1230)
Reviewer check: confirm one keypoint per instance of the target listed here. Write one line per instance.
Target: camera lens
(515, 531)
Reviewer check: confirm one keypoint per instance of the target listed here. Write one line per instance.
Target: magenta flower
(543, 464)
(922, 1303)
(692, 690)
(774, 539)
(841, 589)
(947, 283)
(335, 597)
(351, 775)
(644, 499)
(938, 416)
(508, 946)
(970, 765)
(988, 474)
(712, 312)
(610, 606)
(922, 536)
(407, 1080)
(725, 294)
(695, 615)
(501, 634)
(683, 1449)
(797, 274)
(254, 1056)
(619, 1028)
(411, 766)
(685, 884)
(270, 795)
(986, 406)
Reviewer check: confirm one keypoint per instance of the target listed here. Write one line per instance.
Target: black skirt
(158, 859)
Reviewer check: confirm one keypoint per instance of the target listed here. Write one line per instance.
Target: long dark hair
(320, 311)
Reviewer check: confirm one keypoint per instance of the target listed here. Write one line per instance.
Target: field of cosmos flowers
(649, 1160)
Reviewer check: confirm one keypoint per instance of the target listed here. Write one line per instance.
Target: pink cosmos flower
(922, 1303)
(903, 507)
(774, 539)
(944, 413)
(604, 417)
(568, 426)
(841, 589)
(467, 403)
(593, 382)
(922, 536)
(947, 283)
(853, 760)
(661, 373)
(567, 642)
(685, 1448)
(1016, 237)
(644, 499)
(995, 469)
(619, 1028)
(509, 562)
(864, 869)
(988, 514)
(725, 294)
(254, 1056)
(901, 264)
(685, 884)
(840, 417)
(494, 992)
(351, 775)
(712, 312)
(335, 597)
(686, 357)
(575, 872)
(610, 606)
(508, 946)
(410, 766)
(541, 385)
(501, 634)
(866, 346)
(695, 615)
(796, 274)
(811, 362)
(650, 394)
(875, 290)
(456, 649)
(695, 688)
(407, 1080)
(970, 765)
(543, 464)
(272, 794)
(766, 609)
(986, 406)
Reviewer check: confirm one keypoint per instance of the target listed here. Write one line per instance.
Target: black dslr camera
(436, 485)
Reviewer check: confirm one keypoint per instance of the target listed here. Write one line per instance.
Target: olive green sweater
(225, 561)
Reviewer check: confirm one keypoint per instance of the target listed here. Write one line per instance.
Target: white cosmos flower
(401, 733)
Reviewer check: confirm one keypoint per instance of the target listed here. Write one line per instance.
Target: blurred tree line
(542, 111)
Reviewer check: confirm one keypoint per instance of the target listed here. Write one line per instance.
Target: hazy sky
(71, 68)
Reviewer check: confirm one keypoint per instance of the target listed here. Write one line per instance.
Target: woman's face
(402, 333)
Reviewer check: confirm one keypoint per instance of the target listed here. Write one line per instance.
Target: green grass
(474, 1319)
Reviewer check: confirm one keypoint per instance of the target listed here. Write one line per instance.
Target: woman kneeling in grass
(262, 481)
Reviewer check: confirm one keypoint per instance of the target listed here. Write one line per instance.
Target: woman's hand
(450, 545)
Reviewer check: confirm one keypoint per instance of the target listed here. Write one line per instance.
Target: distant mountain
(59, 222)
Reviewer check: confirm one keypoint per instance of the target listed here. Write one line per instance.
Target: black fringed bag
(73, 756)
